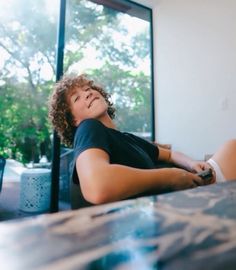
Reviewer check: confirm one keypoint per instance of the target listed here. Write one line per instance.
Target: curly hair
(59, 109)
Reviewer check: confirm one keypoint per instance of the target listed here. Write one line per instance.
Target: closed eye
(76, 98)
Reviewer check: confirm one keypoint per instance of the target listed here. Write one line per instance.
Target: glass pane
(112, 43)
(28, 30)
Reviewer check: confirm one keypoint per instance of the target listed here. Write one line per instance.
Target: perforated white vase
(35, 189)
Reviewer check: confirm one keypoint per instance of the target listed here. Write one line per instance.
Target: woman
(110, 165)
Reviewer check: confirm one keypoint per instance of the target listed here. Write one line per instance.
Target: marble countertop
(193, 229)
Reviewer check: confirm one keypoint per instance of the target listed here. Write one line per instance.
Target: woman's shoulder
(90, 132)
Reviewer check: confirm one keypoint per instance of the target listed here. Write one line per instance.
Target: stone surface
(193, 229)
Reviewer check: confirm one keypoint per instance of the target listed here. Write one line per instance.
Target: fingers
(197, 168)
(206, 166)
(193, 179)
(199, 181)
(200, 166)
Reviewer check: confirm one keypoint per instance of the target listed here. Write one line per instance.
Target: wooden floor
(9, 202)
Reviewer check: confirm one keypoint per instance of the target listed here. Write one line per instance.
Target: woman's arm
(102, 182)
(181, 160)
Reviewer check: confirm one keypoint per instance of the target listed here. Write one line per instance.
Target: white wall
(195, 73)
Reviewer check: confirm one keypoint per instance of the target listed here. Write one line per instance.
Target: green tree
(27, 49)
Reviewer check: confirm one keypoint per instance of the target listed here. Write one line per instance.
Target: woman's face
(85, 103)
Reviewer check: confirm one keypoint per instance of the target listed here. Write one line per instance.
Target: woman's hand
(198, 166)
(191, 165)
(182, 179)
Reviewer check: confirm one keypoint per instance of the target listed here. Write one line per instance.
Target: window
(111, 41)
(27, 72)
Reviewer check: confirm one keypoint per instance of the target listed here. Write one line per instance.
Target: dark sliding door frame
(56, 141)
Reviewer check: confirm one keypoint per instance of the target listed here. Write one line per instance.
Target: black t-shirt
(123, 148)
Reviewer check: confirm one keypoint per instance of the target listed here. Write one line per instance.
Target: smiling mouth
(91, 103)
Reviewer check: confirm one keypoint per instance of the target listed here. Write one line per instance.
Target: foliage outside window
(27, 67)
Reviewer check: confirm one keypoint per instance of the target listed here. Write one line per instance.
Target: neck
(107, 121)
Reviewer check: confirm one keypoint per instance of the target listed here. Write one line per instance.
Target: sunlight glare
(52, 7)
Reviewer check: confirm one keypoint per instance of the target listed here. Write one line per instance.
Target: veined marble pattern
(193, 229)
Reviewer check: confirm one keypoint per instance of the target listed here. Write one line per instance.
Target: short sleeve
(90, 133)
(150, 148)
